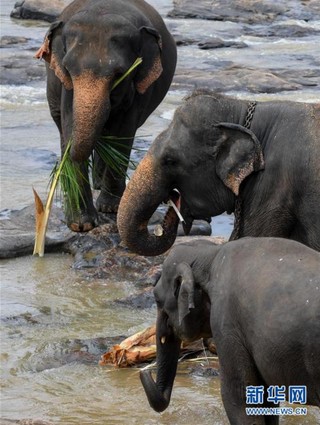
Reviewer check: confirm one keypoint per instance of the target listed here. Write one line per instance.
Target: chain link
(250, 113)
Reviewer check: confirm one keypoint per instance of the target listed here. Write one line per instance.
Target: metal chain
(250, 113)
(238, 203)
(237, 220)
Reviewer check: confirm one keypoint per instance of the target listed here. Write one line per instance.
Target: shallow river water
(46, 305)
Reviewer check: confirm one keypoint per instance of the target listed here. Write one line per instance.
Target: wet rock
(99, 253)
(204, 371)
(9, 40)
(235, 78)
(39, 9)
(18, 230)
(206, 44)
(281, 31)
(232, 10)
(87, 250)
(145, 299)
(24, 422)
(245, 11)
(271, 20)
(24, 319)
(56, 354)
(21, 68)
(218, 43)
(151, 277)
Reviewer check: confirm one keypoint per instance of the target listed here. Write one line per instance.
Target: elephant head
(183, 315)
(202, 156)
(88, 52)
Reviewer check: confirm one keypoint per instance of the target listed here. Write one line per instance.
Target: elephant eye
(169, 160)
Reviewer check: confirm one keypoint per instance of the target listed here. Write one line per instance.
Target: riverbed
(52, 315)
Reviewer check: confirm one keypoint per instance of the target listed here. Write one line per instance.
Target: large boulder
(39, 9)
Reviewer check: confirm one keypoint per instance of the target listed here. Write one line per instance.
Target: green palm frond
(112, 154)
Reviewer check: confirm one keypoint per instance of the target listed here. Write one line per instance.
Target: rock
(21, 68)
(98, 252)
(17, 232)
(39, 9)
(205, 44)
(234, 78)
(8, 40)
(145, 299)
(217, 43)
(245, 11)
(24, 422)
(281, 31)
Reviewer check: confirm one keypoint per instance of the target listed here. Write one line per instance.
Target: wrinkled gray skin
(87, 49)
(259, 298)
(208, 155)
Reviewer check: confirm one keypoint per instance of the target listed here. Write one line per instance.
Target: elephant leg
(84, 218)
(111, 182)
(54, 92)
(237, 373)
(111, 185)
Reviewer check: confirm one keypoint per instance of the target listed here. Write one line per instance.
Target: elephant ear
(239, 155)
(184, 288)
(151, 67)
(52, 51)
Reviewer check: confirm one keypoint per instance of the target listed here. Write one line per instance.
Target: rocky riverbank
(263, 19)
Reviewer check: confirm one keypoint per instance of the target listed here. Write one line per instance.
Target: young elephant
(259, 298)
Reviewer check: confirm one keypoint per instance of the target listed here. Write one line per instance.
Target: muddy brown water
(47, 306)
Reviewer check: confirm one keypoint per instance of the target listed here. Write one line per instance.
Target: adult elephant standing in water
(87, 49)
(268, 174)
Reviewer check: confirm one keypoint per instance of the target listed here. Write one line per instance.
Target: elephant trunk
(91, 107)
(145, 191)
(168, 349)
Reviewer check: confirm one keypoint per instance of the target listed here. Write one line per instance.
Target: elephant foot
(107, 203)
(83, 222)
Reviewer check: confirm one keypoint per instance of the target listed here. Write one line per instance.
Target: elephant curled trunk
(168, 349)
(145, 191)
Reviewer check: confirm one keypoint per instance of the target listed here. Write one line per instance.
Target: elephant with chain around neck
(269, 174)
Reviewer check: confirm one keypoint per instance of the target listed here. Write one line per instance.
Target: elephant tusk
(163, 340)
(158, 230)
(170, 203)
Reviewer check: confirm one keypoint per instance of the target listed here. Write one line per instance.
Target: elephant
(260, 160)
(259, 299)
(90, 45)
